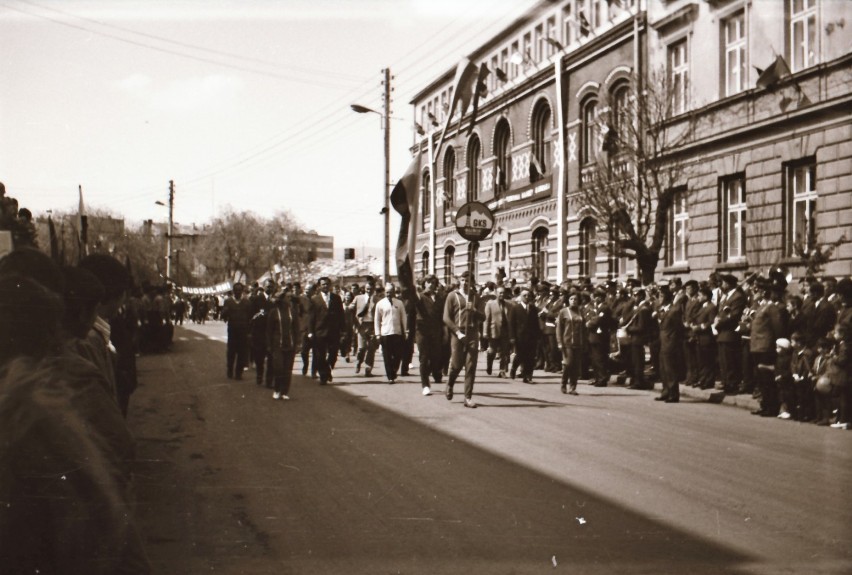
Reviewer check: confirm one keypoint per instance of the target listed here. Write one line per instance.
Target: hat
(782, 342)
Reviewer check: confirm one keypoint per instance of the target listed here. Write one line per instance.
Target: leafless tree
(630, 188)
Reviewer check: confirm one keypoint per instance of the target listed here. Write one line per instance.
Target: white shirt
(389, 317)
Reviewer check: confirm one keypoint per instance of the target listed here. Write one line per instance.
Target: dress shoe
(391, 381)
(358, 367)
(661, 398)
(469, 403)
(513, 375)
(527, 380)
(276, 395)
(368, 371)
(502, 375)
(672, 400)
(305, 370)
(449, 393)
(563, 389)
(488, 370)
(573, 392)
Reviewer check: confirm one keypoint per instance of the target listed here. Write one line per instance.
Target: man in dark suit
(820, 314)
(672, 335)
(732, 302)
(237, 313)
(429, 336)
(324, 325)
(497, 312)
(600, 323)
(526, 331)
(639, 331)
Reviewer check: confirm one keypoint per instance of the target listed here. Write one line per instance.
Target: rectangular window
(733, 218)
(678, 229)
(527, 53)
(568, 24)
(802, 33)
(552, 32)
(735, 41)
(492, 77)
(801, 207)
(514, 69)
(678, 57)
(599, 13)
(538, 50)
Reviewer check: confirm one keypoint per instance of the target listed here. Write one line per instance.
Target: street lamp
(386, 208)
(171, 229)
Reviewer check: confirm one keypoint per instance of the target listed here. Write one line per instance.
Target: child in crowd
(802, 404)
(818, 370)
(784, 376)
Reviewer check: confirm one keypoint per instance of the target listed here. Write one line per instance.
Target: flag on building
(585, 27)
(405, 199)
(83, 237)
(480, 92)
(772, 75)
(463, 88)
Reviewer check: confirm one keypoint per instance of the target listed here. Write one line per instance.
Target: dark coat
(730, 311)
(326, 320)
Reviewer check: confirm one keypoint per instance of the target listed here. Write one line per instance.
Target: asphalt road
(363, 477)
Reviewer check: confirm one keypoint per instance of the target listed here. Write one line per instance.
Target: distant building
(319, 247)
(770, 171)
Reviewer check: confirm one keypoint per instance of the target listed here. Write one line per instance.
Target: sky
(244, 104)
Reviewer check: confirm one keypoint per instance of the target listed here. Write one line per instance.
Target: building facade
(759, 86)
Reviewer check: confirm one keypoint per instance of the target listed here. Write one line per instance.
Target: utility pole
(386, 211)
(171, 230)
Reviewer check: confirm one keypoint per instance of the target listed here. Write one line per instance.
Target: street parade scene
(602, 323)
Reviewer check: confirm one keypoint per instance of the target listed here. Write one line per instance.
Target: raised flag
(555, 43)
(585, 27)
(84, 225)
(463, 88)
(773, 74)
(54, 241)
(481, 91)
(405, 199)
(501, 75)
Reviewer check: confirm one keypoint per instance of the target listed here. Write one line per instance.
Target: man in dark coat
(732, 302)
(526, 331)
(324, 325)
(672, 335)
(600, 323)
(639, 330)
(237, 313)
(429, 336)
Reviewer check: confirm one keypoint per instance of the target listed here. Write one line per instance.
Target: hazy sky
(243, 103)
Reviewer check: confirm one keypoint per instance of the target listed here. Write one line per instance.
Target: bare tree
(630, 188)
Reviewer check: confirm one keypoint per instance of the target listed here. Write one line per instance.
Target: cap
(782, 342)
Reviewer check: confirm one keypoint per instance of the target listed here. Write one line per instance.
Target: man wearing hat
(732, 302)
(599, 323)
(766, 327)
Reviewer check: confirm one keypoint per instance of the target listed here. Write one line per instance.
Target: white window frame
(679, 236)
(804, 49)
(802, 198)
(735, 217)
(677, 54)
(735, 41)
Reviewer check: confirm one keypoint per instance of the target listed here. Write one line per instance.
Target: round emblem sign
(474, 221)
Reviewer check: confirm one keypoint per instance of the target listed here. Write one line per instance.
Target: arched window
(424, 264)
(620, 120)
(588, 251)
(449, 184)
(541, 141)
(474, 171)
(539, 252)
(591, 132)
(502, 151)
(426, 208)
(449, 264)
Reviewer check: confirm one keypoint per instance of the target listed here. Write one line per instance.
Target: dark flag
(501, 75)
(463, 88)
(54, 242)
(585, 27)
(480, 91)
(772, 75)
(405, 199)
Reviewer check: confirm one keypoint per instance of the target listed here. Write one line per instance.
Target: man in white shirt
(391, 326)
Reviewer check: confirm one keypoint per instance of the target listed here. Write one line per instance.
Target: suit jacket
(282, 328)
(497, 319)
(600, 323)
(571, 329)
(701, 323)
(767, 325)
(730, 312)
(672, 330)
(638, 324)
(429, 322)
(524, 324)
(325, 320)
(819, 321)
